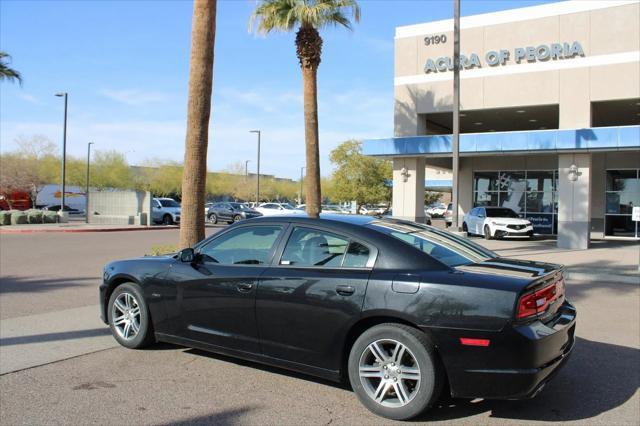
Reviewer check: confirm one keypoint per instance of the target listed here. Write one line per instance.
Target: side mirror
(187, 255)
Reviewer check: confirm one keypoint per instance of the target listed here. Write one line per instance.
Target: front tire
(167, 219)
(394, 371)
(129, 317)
(487, 232)
(213, 218)
(465, 228)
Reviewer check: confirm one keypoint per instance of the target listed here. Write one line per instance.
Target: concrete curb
(71, 230)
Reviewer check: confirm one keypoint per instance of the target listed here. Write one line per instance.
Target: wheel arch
(366, 323)
(114, 283)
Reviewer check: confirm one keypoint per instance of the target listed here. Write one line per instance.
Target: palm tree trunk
(312, 180)
(194, 175)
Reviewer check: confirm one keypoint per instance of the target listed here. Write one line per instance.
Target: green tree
(359, 177)
(309, 16)
(6, 72)
(194, 176)
(109, 169)
(30, 167)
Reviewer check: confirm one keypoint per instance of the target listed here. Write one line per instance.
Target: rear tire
(237, 218)
(213, 218)
(487, 232)
(465, 228)
(394, 371)
(129, 317)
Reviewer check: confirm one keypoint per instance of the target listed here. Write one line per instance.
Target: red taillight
(539, 301)
(474, 342)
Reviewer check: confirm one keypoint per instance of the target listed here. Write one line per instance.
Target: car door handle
(345, 290)
(244, 287)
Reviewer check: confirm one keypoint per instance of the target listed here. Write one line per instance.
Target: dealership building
(549, 116)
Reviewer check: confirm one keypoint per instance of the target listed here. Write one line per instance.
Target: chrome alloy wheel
(125, 314)
(389, 373)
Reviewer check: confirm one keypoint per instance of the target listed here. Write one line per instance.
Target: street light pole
(257, 177)
(301, 177)
(86, 196)
(456, 117)
(64, 149)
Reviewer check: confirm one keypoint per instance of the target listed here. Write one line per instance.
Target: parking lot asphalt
(48, 283)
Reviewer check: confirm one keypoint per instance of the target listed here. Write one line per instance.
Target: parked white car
(437, 210)
(496, 222)
(165, 210)
(278, 209)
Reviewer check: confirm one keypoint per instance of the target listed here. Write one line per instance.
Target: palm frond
(285, 15)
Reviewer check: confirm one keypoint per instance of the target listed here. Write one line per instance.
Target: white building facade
(550, 116)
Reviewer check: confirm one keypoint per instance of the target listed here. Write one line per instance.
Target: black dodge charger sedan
(401, 310)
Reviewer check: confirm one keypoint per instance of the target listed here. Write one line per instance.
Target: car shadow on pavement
(14, 284)
(267, 368)
(51, 337)
(597, 378)
(232, 416)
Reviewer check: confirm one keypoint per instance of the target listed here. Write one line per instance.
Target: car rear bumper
(517, 364)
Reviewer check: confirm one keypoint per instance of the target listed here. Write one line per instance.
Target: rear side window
(310, 247)
(357, 256)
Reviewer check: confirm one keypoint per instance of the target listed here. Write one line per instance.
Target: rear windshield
(444, 246)
(239, 206)
(501, 213)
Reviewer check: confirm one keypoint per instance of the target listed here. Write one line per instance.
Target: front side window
(242, 246)
(310, 247)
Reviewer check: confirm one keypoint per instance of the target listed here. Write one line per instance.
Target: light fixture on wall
(405, 174)
(573, 173)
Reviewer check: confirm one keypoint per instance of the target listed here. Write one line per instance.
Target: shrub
(161, 250)
(34, 216)
(49, 217)
(5, 218)
(18, 218)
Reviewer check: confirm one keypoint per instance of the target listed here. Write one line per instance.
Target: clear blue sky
(125, 67)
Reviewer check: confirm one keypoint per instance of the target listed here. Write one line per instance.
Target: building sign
(493, 58)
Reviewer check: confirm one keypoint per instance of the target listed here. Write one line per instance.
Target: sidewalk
(606, 261)
(77, 227)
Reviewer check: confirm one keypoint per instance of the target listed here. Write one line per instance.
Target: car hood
(509, 220)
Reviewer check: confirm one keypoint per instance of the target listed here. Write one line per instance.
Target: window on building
(622, 194)
(531, 194)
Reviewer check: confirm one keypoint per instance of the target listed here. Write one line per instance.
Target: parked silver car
(165, 210)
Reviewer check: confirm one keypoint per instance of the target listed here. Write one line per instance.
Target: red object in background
(19, 201)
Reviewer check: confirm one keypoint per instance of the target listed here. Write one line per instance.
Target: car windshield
(444, 246)
(501, 212)
(169, 203)
(238, 206)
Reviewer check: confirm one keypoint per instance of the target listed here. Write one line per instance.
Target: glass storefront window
(530, 194)
(623, 193)
(540, 181)
(485, 181)
(623, 180)
(540, 202)
(484, 199)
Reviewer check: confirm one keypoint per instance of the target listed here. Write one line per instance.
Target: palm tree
(5, 71)
(309, 16)
(194, 175)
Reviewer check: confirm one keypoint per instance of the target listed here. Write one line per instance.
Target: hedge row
(35, 216)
